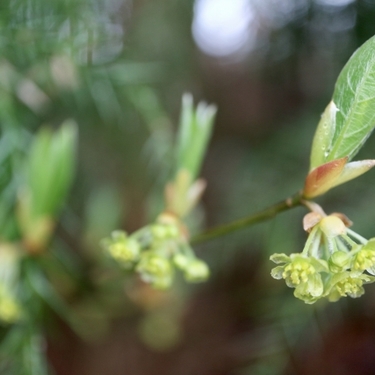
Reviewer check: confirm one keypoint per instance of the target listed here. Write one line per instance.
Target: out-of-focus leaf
(50, 168)
(42, 288)
(12, 143)
(22, 352)
(48, 175)
(131, 73)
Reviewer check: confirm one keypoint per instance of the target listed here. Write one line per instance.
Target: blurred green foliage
(118, 69)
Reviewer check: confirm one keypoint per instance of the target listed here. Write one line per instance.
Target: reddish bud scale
(322, 178)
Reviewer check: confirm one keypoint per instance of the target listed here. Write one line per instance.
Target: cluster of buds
(156, 251)
(335, 262)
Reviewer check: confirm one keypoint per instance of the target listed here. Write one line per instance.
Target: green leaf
(41, 287)
(22, 351)
(354, 97)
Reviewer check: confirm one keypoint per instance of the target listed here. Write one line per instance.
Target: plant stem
(270, 212)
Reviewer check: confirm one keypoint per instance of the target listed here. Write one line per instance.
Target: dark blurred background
(119, 68)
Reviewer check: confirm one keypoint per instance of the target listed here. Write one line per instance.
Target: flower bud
(196, 271)
(332, 226)
(339, 261)
(164, 231)
(162, 283)
(181, 261)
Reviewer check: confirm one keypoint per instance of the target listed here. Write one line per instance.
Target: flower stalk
(258, 217)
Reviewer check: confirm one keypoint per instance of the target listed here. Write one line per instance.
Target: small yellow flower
(125, 250)
(347, 284)
(298, 271)
(155, 269)
(301, 272)
(364, 260)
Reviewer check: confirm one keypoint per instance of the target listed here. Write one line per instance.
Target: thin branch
(270, 212)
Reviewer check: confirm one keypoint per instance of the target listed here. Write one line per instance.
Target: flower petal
(357, 292)
(320, 265)
(367, 279)
(315, 285)
(277, 272)
(302, 292)
(310, 220)
(280, 258)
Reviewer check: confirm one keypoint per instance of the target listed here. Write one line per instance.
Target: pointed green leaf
(354, 97)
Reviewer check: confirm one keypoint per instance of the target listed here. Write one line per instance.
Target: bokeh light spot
(223, 27)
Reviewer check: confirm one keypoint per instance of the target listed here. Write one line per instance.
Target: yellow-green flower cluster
(336, 262)
(156, 251)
